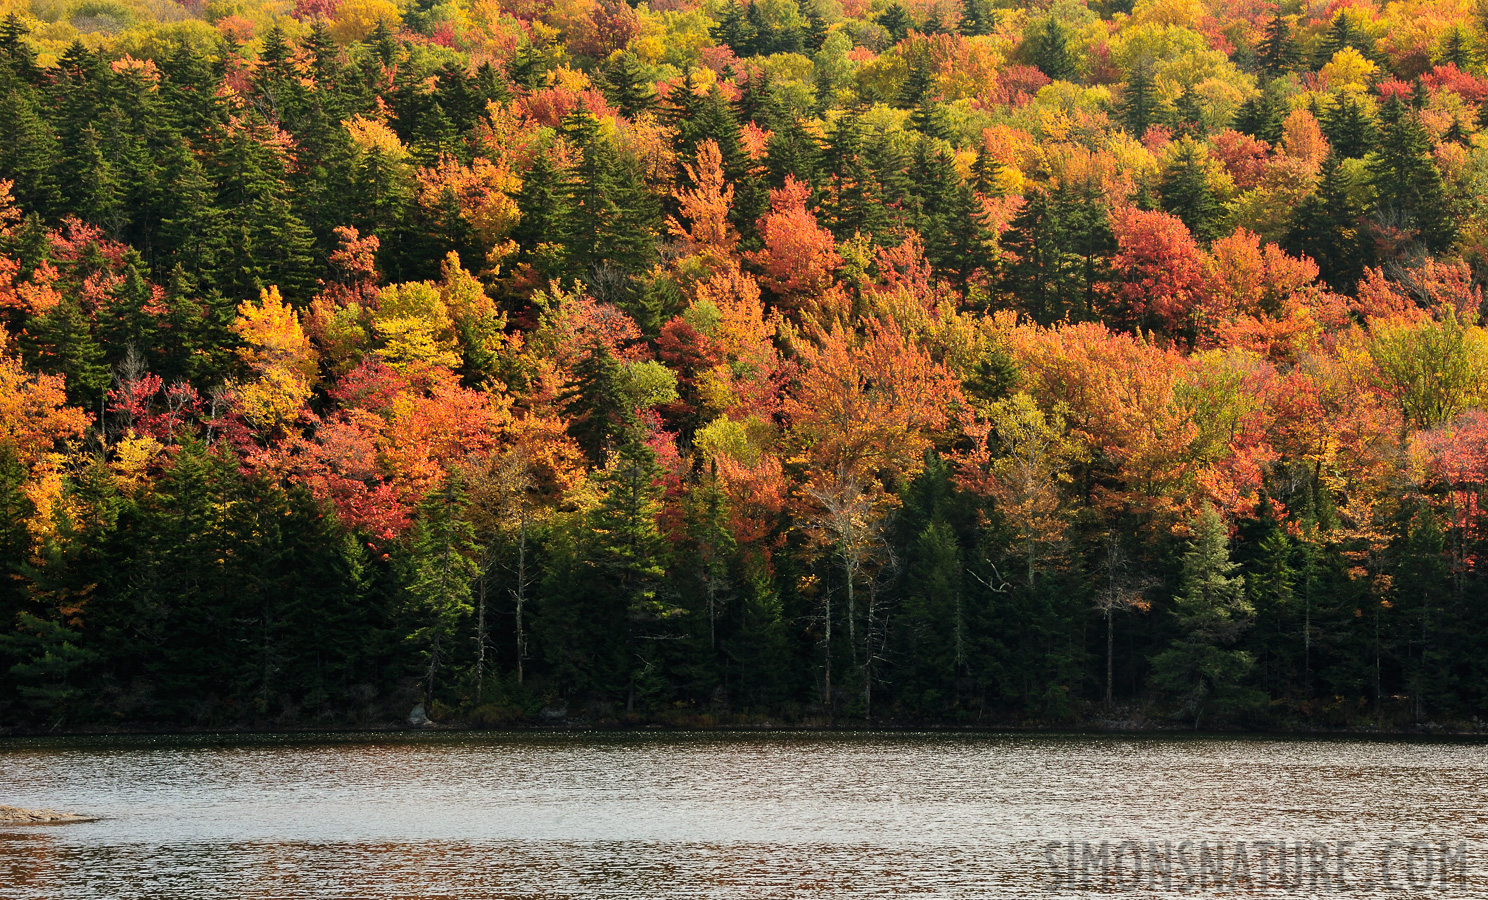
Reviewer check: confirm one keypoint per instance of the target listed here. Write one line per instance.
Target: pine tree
(1051, 52)
(1186, 192)
(1211, 611)
(1277, 52)
(793, 151)
(1261, 116)
(1327, 227)
(1348, 128)
(977, 18)
(1138, 100)
(1410, 193)
(29, 153)
(609, 217)
(441, 572)
(895, 21)
(628, 86)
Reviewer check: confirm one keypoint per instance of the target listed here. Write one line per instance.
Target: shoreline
(577, 726)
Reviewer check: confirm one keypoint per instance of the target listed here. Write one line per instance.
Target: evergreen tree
(1409, 192)
(1056, 252)
(61, 342)
(977, 18)
(596, 404)
(609, 217)
(816, 28)
(1327, 227)
(1186, 192)
(628, 86)
(1341, 34)
(1188, 116)
(1051, 52)
(1457, 50)
(1277, 52)
(895, 21)
(1138, 100)
(1261, 116)
(1349, 129)
(949, 216)
(851, 195)
(15, 53)
(735, 31)
(441, 572)
(543, 212)
(1211, 611)
(29, 153)
(527, 67)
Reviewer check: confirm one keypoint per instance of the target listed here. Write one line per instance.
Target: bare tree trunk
(521, 591)
(868, 653)
(1110, 655)
(480, 632)
(827, 692)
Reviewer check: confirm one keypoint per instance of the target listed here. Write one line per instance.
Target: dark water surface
(745, 815)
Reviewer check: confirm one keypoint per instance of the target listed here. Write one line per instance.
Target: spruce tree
(816, 28)
(543, 212)
(977, 18)
(1051, 52)
(1186, 192)
(61, 342)
(1348, 127)
(734, 30)
(1056, 252)
(15, 53)
(1277, 52)
(1409, 192)
(1261, 116)
(527, 67)
(1188, 116)
(1327, 227)
(29, 153)
(895, 21)
(1211, 611)
(1457, 50)
(441, 571)
(628, 86)
(627, 555)
(1139, 101)
(609, 217)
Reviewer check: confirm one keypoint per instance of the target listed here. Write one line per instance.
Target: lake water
(745, 815)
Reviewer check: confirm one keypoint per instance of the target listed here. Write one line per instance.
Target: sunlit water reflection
(709, 815)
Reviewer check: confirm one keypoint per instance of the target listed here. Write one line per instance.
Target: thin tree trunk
(1110, 655)
(480, 633)
(521, 590)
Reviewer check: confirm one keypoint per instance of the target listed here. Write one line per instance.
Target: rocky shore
(14, 815)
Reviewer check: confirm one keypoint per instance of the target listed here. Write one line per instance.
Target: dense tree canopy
(743, 360)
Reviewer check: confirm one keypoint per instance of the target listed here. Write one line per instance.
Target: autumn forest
(718, 362)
